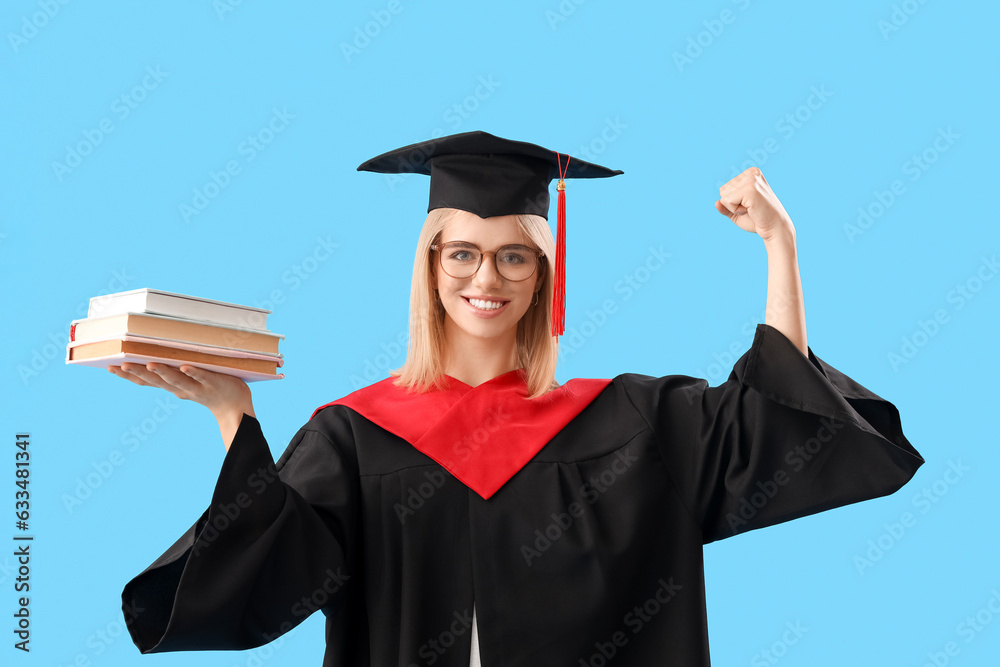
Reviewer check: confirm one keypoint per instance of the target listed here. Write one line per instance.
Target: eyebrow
(505, 245)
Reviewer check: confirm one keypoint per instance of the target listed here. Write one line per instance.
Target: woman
(470, 509)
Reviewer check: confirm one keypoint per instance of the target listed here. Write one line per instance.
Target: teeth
(485, 305)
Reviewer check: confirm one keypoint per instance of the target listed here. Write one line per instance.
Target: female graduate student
(470, 510)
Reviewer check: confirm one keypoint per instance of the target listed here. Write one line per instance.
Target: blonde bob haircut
(537, 348)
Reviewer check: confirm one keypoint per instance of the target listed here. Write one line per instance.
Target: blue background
(834, 101)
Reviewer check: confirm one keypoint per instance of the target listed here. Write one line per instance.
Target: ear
(540, 276)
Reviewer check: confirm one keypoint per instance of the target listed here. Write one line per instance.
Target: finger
(149, 377)
(199, 374)
(174, 377)
(126, 375)
(730, 207)
(739, 180)
(732, 196)
(205, 377)
(213, 380)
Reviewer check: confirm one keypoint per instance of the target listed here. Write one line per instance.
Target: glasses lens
(514, 262)
(459, 261)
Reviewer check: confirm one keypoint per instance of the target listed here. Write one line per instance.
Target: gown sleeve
(786, 435)
(273, 547)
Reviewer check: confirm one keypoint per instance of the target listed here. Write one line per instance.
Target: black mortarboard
(489, 176)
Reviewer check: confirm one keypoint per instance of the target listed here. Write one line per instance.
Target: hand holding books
(199, 350)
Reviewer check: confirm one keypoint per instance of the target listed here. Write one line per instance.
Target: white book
(147, 300)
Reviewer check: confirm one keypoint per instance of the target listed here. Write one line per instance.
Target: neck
(477, 360)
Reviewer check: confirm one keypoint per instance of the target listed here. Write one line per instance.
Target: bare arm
(786, 310)
(749, 202)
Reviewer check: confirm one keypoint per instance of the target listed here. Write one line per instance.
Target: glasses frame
(482, 253)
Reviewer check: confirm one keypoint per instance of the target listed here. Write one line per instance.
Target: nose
(487, 276)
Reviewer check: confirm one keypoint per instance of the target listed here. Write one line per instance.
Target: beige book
(159, 326)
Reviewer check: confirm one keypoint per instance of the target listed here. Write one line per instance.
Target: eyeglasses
(461, 259)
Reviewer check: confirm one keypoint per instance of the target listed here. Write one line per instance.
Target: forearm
(785, 306)
(229, 421)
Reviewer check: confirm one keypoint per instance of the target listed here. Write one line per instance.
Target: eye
(515, 255)
(461, 255)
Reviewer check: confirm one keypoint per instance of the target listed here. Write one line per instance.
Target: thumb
(721, 208)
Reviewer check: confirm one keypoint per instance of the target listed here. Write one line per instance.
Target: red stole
(482, 435)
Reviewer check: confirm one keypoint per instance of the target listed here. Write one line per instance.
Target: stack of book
(146, 325)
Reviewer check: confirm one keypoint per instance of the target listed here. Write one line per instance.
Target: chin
(488, 330)
(473, 326)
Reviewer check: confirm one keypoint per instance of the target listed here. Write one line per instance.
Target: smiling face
(486, 306)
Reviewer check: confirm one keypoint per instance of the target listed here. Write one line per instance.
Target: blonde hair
(537, 350)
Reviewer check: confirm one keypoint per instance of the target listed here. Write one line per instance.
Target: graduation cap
(488, 175)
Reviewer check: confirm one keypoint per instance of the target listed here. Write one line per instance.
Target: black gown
(590, 554)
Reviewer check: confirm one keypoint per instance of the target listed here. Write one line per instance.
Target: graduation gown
(396, 515)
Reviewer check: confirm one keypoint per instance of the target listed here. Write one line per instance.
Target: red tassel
(559, 291)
